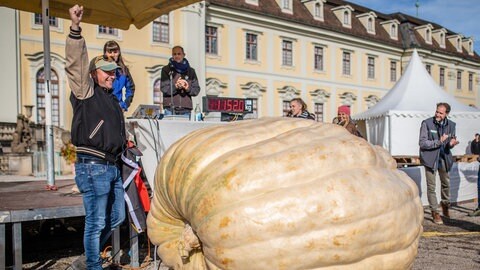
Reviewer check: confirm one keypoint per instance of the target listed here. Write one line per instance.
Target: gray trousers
(431, 186)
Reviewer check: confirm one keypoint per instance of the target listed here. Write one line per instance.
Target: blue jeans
(102, 190)
(168, 111)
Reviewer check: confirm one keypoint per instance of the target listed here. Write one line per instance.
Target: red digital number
(226, 105)
(229, 105)
(213, 104)
(235, 105)
(222, 105)
(217, 103)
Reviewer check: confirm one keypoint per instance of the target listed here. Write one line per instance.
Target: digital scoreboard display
(227, 105)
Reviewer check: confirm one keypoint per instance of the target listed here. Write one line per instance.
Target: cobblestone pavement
(453, 245)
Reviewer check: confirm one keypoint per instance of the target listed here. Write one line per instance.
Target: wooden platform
(415, 160)
(22, 201)
(26, 201)
(466, 158)
(407, 161)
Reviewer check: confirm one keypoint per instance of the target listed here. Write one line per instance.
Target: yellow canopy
(112, 13)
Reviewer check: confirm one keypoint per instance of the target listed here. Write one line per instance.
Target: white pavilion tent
(394, 122)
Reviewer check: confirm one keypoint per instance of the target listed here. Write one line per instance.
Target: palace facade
(328, 52)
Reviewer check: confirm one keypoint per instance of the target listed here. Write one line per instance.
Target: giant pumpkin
(282, 193)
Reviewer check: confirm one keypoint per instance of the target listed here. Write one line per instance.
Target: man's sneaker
(445, 209)
(475, 213)
(436, 218)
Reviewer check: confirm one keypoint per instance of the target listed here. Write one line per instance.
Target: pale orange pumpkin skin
(282, 193)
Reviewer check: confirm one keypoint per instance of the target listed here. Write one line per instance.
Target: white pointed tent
(394, 122)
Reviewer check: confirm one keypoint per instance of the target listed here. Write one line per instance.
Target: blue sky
(460, 16)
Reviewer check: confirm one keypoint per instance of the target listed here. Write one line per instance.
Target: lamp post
(417, 5)
(28, 111)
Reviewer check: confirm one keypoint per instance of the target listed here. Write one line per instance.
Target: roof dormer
(391, 27)
(426, 32)
(285, 5)
(439, 36)
(468, 45)
(252, 2)
(315, 7)
(368, 21)
(456, 41)
(344, 15)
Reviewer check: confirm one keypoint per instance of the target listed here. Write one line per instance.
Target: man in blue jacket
(437, 138)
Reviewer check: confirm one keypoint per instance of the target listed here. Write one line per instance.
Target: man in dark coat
(178, 84)
(437, 138)
(475, 145)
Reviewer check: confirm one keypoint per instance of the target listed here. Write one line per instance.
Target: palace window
(318, 58)
(346, 63)
(393, 31)
(52, 21)
(428, 36)
(318, 111)
(459, 80)
(442, 77)
(287, 53)
(251, 47)
(470, 82)
(317, 10)
(370, 25)
(211, 40)
(286, 107)
(41, 96)
(393, 71)
(371, 68)
(161, 29)
(106, 30)
(346, 18)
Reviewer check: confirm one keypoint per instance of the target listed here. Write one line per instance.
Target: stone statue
(23, 135)
(17, 145)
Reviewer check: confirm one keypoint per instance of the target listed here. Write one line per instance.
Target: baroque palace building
(328, 52)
